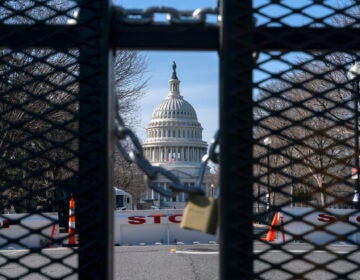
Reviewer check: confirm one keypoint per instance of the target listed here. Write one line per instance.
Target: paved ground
(190, 262)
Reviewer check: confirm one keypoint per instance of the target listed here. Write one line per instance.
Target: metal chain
(152, 172)
(173, 16)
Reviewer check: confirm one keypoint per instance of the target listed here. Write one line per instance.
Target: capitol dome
(174, 132)
(174, 141)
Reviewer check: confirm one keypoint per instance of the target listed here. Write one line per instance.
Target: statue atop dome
(174, 71)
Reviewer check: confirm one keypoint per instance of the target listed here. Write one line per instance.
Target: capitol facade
(174, 141)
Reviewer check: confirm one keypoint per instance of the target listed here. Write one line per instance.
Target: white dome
(174, 131)
(174, 107)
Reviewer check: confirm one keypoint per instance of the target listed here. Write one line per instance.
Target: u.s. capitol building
(174, 141)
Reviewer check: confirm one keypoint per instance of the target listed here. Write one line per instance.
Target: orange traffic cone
(71, 231)
(270, 236)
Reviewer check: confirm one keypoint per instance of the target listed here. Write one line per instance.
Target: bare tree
(39, 107)
(307, 112)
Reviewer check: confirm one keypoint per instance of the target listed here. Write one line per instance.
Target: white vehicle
(123, 200)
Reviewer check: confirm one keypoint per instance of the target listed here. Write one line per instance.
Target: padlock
(200, 213)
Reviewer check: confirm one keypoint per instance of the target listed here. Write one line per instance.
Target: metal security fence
(55, 140)
(289, 138)
(305, 138)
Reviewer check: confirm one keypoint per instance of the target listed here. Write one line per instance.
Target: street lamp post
(267, 142)
(212, 190)
(354, 76)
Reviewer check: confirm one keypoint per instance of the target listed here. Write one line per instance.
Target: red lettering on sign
(172, 218)
(157, 218)
(326, 218)
(137, 220)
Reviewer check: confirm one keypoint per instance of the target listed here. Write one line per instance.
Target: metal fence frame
(235, 40)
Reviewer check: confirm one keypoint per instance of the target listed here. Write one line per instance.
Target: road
(190, 262)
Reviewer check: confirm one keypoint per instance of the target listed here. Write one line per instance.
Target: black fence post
(94, 209)
(236, 257)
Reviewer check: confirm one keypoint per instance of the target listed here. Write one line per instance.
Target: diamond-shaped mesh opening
(306, 142)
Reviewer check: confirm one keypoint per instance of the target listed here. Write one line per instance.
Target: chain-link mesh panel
(306, 140)
(54, 140)
(289, 135)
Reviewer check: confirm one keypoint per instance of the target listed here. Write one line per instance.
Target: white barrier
(28, 231)
(151, 227)
(155, 227)
(146, 227)
(318, 227)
